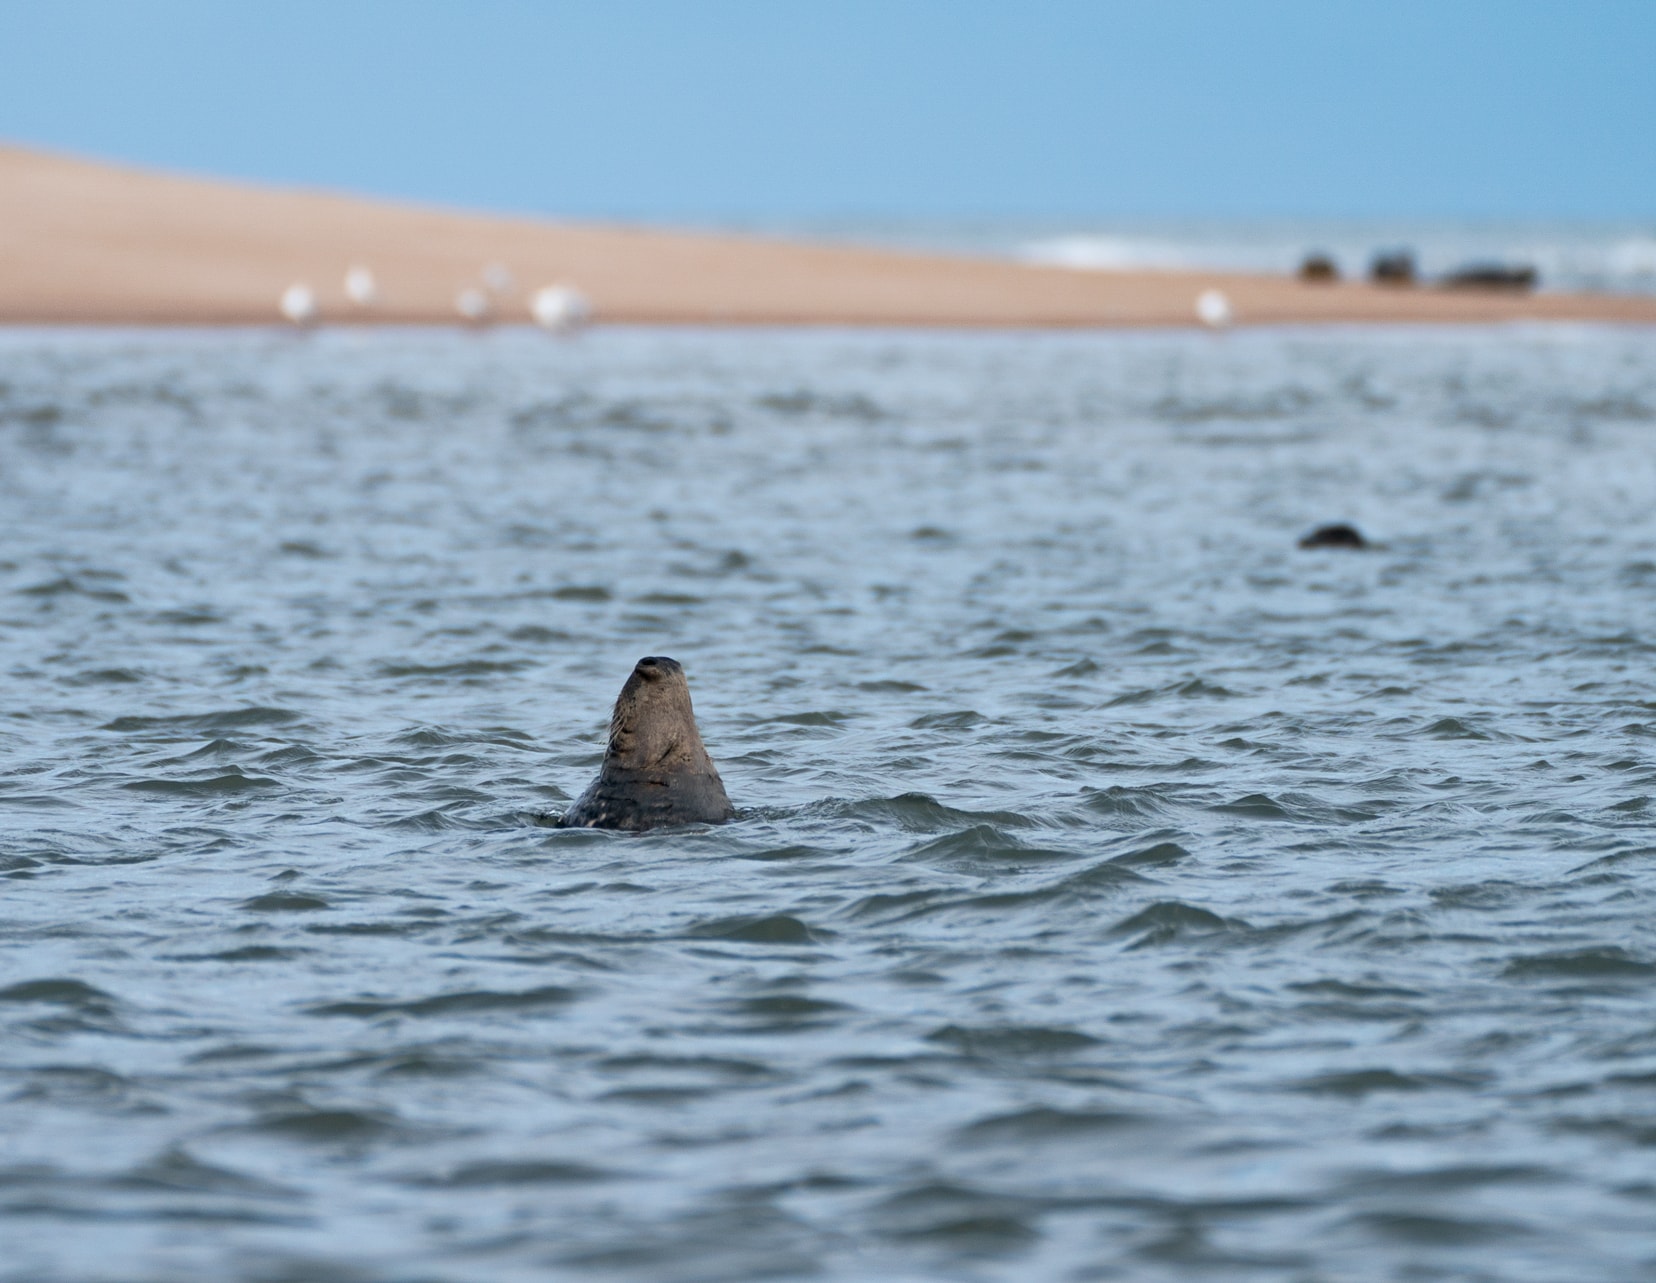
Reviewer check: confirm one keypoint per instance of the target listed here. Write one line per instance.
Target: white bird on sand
(473, 305)
(361, 287)
(560, 307)
(498, 277)
(1213, 309)
(298, 304)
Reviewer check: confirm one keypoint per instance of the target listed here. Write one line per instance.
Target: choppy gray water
(1119, 892)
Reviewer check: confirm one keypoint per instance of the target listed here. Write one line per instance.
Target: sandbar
(86, 242)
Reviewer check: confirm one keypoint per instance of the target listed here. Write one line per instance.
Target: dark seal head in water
(1339, 535)
(655, 770)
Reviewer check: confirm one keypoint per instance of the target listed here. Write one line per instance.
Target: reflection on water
(1120, 891)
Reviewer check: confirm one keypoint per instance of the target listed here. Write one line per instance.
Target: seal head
(1339, 535)
(656, 771)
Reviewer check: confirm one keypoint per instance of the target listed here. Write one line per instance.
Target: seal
(656, 771)
(1339, 535)
(1320, 267)
(1519, 278)
(1393, 267)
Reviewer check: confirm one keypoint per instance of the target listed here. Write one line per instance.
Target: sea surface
(1617, 257)
(1118, 891)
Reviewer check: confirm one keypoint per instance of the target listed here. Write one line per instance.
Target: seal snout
(652, 668)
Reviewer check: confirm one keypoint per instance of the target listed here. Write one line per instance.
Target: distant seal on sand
(1320, 267)
(1393, 267)
(1517, 277)
(656, 771)
(1339, 535)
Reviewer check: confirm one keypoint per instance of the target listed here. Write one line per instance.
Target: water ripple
(1117, 891)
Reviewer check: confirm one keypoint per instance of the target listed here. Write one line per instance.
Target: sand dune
(83, 242)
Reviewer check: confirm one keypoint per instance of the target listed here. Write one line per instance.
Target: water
(1615, 257)
(1119, 893)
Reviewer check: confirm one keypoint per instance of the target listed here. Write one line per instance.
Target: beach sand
(92, 243)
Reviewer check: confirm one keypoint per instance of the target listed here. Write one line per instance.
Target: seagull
(473, 305)
(298, 304)
(360, 286)
(560, 308)
(1213, 309)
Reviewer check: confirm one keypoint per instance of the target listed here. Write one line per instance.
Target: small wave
(64, 586)
(38, 802)
(919, 813)
(1186, 688)
(178, 1171)
(65, 992)
(776, 928)
(433, 821)
(450, 1004)
(722, 1069)
(462, 668)
(1141, 801)
(408, 927)
(1430, 1230)
(1108, 875)
(246, 953)
(214, 749)
(82, 1086)
(1452, 1177)
(959, 720)
(803, 401)
(1033, 1126)
(1610, 962)
(594, 593)
(1342, 989)
(786, 1013)
(1453, 728)
(1169, 921)
(537, 635)
(304, 548)
(188, 617)
(230, 783)
(1019, 1042)
(284, 902)
(966, 1221)
(825, 717)
(225, 720)
(1297, 807)
(983, 846)
(507, 1173)
(1157, 856)
(1365, 1082)
(108, 677)
(327, 1126)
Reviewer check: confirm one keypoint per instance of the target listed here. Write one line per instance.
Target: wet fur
(656, 770)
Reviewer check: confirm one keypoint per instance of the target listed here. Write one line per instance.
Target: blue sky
(754, 110)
